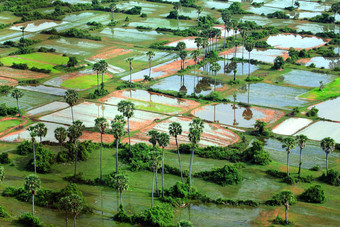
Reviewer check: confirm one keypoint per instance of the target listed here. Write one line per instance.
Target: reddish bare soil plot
(110, 52)
(8, 81)
(21, 74)
(213, 135)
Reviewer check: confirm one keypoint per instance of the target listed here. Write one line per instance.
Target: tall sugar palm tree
(33, 134)
(127, 108)
(41, 130)
(101, 124)
(113, 7)
(103, 67)
(195, 132)
(150, 55)
(153, 140)
(74, 132)
(244, 34)
(199, 10)
(163, 141)
(198, 41)
(120, 184)
(177, 6)
(195, 55)
(205, 44)
(23, 36)
(64, 204)
(71, 97)
(285, 198)
(60, 135)
(175, 129)
(215, 67)
(96, 68)
(328, 145)
(155, 159)
(129, 60)
(226, 17)
(183, 54)
(17, 94)
(32, 185)
(118, 131)
(301, 142)
(288, 143)
(249, 45)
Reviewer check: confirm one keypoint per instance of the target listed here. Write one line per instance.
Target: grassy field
(8, 61)
(8, 124)
(83, 82)
(331, 90)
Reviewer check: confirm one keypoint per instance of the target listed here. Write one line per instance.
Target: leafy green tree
(60, 135)
(226, 17)
(129, 60)
(153, 140)
(103, 67)
(163, 141)
(175, 129)
(195, 132)
(17, 94)
(314, 194)
(101, 124)
(72, 62)
(41, 130)
(249, 45)
(96, 68)
(118, 131)
(285, 198)
(279, 62)
(155, 160)
(64, 204)
(328, 145)
(181, 46)
(199, 10)
(120, 184)
(2, 173)
(32, 185)
(288, 143)
(71, 97)
(183, 54)
(260, 126)
(198, 41)
(301, 142)
(74, 132)
(177, 6)
(127, 108)
(76, 204)
(33, 133)
(150, 55)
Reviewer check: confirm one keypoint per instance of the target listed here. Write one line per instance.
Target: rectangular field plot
(44, 89)
(87, 112)
(329, 109)
(291, 126)
(51, 107)
(322, 129)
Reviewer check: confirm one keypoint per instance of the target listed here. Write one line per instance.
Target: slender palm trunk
(18, 108)
(72, 114)
(117, 142)
(194, 93)
(190, 168)
(327, 164)
(177, 21)
(101, 157)
(61, 147)
(157, 189)
(121, 197)
(128, 120)
(75, 221)
(287, 164)
(225, 37)
(300, 163)
(130, 76)
(215, 81)
(102, 80)
(75, 163)
(149, 68)
(286, 214)
(249, 66)
(163, 174)
(66, 219)
(97, 81)
(179, 158)
(242, 48)
(33, 204)
(153, 184)
(35, 165)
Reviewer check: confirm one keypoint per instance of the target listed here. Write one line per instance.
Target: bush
(3, 213)
(256, 154)
(34, 69)
(278, 62)
(19, 66)
(28, 219)
(136, 10)
(312, 112)
(226, 175)
(185, 223)
(25, 147)
(4, 158)
(122, 216)
(44, 160)
(333, 177)
(5, 89)
(68, 155)
(155, 216)
(139, 157)
(315, 168)
(314, 194)
(280, 221)
(278, 14)
(72, 62)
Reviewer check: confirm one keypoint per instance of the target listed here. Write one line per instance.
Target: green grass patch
(8, 61)
(156, 107)
(49, 58)
(8, 124)
(83, 82)
(331, 90)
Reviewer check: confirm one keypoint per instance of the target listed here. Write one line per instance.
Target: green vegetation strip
(83, 82)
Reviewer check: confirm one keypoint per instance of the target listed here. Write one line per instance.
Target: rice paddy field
(276, 63)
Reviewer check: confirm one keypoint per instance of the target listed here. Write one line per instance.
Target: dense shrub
(45, 50)
(155, 216)
(35, 69)
(44, 160)
(236, 8)
(138, 158)
(256, 154)
(278, 62)
(173, 15)
(314, 194)
(122, 216)
(4, 110)
(5, 89)
(228, 174)
(323, 18)
(136, 10)
(3, 213)
(333, 177)
(313, 112)
(25, 82)
(27, 219)
(68, 155)
(4, 158)
(291, 179)
(25, 147)
(315, 168)
(278, 14)
(19, 66)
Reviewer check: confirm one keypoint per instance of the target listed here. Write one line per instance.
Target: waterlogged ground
(329, 109)
(322, 129)
(285, 41)
(291, 126)
(307, 79)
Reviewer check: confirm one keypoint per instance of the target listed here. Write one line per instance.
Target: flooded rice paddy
(323, 62)
(322, 129)
(237, 115)
(51, 107)
(307, 79)
(296, 41)
(44, 89)
(329, 109)
(291, 126)
(38, 26)
(242, 68)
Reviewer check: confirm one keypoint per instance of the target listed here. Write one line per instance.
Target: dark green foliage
(236, 8)
(122, 216)
(184, 223)
(74, 33)
(3, 213)
(25, 147)
(79, 179)
(261, 44)
(25, 82)
(280, 221)
(278, 62)
(323, 18)
(175, 171)
(21, 66)
(94, 25)
(35, 69)
(333, 177)
(155, 216)
(44, 160)
(226, 175)
(4, 110)
(143, 28)
(72, 62)
(139, 157)
(291, 179)
(326, 51)
(278, 15)
(206, 21)
(259, 34)
(5, 89)
(84, 149)
(315, 168)
(314, 194)
(256, 154)
(188, 3)
(46, 50)
(4, 158)
(136, 10)
(173, 15)
(27, 219)
(160, 45)
(312, 112)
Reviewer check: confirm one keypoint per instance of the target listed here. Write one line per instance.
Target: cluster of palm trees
(100, 67)
(327, 144)
(163, 140)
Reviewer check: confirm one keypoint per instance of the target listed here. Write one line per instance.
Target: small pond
(322, 129)
(329, 109)
(306, 78)
(326, 62)
(241, 67)
(295, 41)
